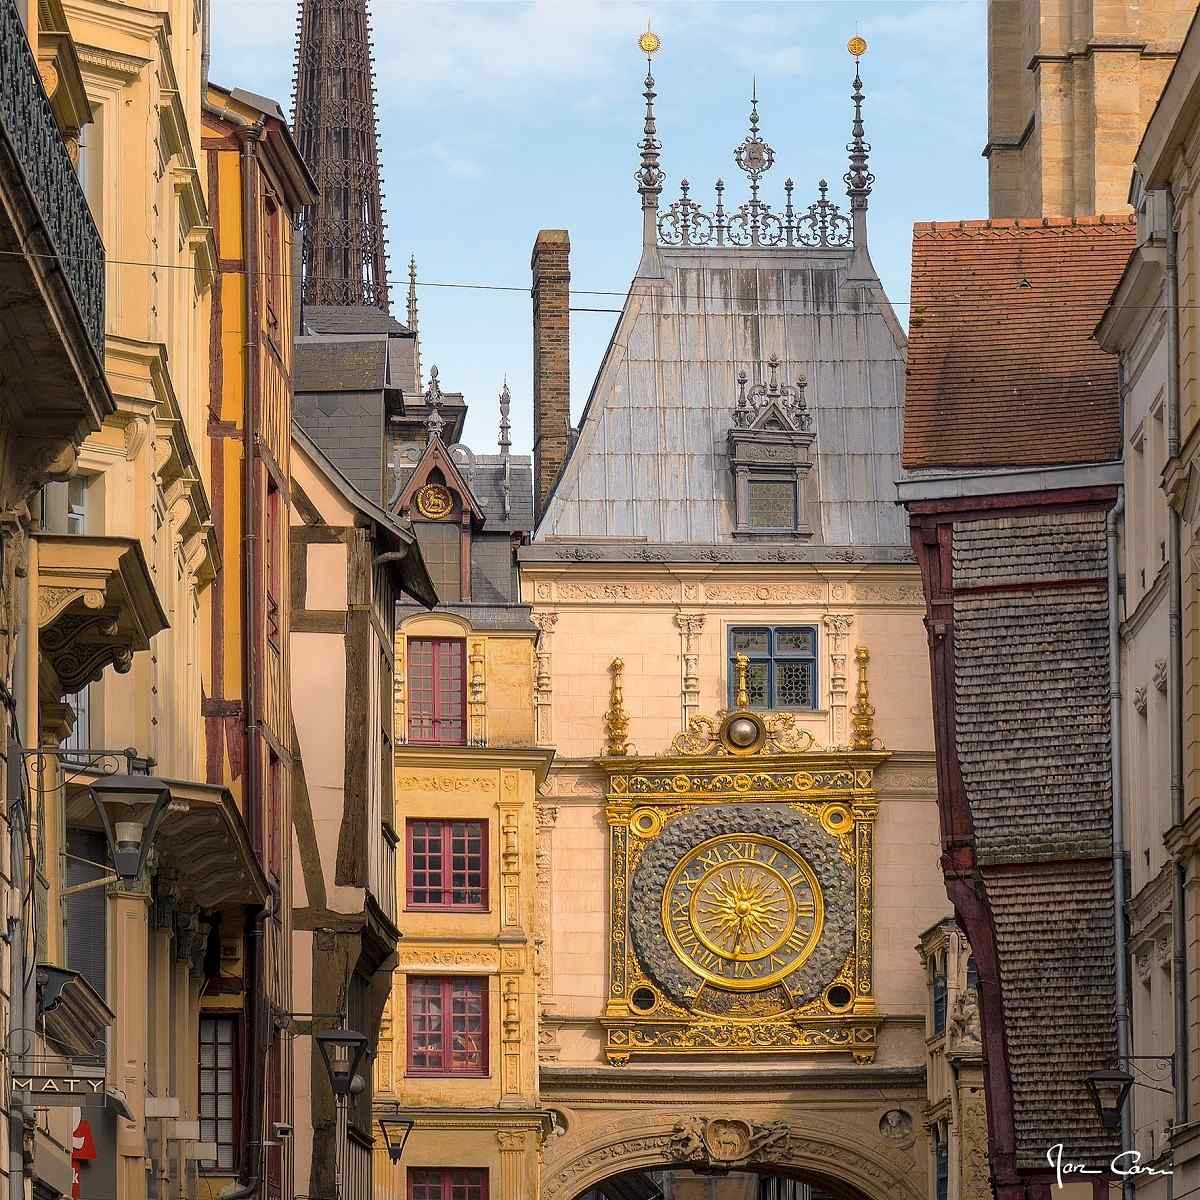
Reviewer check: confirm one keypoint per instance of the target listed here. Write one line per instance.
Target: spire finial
(862, 715)
(858, 178)
(616, 719)
(741, 666)
(505, 434)
(649, 175)
(413, 321)
(434, 421)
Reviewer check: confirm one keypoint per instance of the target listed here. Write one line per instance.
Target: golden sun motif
(434, 501)
(743, 911)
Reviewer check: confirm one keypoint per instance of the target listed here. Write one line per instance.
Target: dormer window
(770, 455)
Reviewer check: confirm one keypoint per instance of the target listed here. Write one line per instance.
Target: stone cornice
(561, 1081)
(632, 551)
(476, 758)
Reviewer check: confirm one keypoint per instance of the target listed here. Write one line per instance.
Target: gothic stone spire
(345, 259)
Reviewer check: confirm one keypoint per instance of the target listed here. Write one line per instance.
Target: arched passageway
(686, 1184)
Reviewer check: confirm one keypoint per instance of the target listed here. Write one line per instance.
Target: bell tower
(345, 258)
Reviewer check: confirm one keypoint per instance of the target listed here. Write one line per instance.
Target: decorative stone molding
(1140, 701)
(576, 1163)
(690, 624)
(837, 629)
(543, 914)
(1160, 674)
(543, 684)
(476, 694)
(616, 719)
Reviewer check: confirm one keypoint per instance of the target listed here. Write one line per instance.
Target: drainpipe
(1120, 898)
(1175, 676)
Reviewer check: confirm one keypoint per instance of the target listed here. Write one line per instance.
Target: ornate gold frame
(645, 795)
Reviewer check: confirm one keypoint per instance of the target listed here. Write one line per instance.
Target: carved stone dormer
(770, 455)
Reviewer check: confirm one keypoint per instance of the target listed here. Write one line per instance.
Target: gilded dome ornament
(649, 43)
(434, 502)
(857, 46)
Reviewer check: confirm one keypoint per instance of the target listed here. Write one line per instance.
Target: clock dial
(743, 910)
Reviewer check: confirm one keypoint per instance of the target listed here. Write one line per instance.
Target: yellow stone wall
(492, 1121)
(1070, 90)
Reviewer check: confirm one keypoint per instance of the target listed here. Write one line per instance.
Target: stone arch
(573, 1164)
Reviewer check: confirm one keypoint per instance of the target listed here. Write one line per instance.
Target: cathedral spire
(345, 259)
(858, 178)
(413, 323)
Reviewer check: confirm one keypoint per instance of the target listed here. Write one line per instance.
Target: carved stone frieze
(727, 1142)
(449, 783)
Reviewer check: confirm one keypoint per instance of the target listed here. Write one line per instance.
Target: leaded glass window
(783, 665)
(218, 1090)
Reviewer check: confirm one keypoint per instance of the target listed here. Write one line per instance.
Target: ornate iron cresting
(787, 399)
(345, 258)
(754, 223)
(32, 141)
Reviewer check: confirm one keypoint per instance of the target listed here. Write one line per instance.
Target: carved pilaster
(542, 682)
(476, 694)
(510, 1040)
(513, 1144)
(690, 627)
(510, 870)
(400, 690)
(547, 814)
(837, 629)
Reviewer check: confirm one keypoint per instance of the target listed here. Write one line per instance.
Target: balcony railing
(34, 142)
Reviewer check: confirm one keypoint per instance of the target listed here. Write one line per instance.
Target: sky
(502, 117)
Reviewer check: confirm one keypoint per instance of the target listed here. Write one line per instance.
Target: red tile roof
(1004, 374)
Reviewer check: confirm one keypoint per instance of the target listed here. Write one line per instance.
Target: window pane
(750, 641)
(218, 1082)
(758, 685)
(425, 1033)
(796, 641)
(793, 684)
(436, 690)
(772, 504)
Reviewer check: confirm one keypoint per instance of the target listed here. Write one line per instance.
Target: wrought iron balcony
(34, 159)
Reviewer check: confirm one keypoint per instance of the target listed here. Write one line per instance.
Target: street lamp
(341, 1051)
(1109, 1091)
(395, 1132)
(130, 808)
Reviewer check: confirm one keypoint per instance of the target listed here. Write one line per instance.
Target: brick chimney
(551, 360)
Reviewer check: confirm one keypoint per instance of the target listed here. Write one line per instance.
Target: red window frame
(447, 1025)
(447, 1183)
(449, 858)
(437, 691)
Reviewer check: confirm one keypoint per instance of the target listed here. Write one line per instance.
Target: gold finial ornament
(862, 715)
(741, 664)
(616, 720)
(857, 46)
(649, 43)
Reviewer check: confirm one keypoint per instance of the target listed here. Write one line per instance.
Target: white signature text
(1125, 1165)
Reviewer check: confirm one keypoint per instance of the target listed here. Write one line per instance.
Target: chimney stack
(551, 360)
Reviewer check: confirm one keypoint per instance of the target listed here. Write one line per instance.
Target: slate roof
(986, 386)
(351, 318)
(650, 460)
(1031, 712)
(336, 366)
(484, 474)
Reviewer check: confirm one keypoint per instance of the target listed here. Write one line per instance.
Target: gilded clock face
(743, 910)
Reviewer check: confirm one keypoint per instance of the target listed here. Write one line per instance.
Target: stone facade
(1070, 90)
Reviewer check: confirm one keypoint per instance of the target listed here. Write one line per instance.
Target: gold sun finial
(649, 43)
(857, 46)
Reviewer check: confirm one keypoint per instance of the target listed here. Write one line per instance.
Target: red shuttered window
(447, 865)
(437, 692)
(447, 1183)
(447, 1025)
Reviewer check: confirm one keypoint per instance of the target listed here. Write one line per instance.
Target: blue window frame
(783, 665)
(939, 994)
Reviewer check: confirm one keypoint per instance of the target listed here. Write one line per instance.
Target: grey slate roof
(335, 366)
(485, 475)
(1031, 713)
(650, 459)
(350, 318)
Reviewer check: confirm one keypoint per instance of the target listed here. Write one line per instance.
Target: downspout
(1120, 898)
(1175, 677)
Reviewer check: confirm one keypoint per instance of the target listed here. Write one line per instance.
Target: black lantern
(342, 1050)
(395, 1132)
(1109, 1091)
(130, 808)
